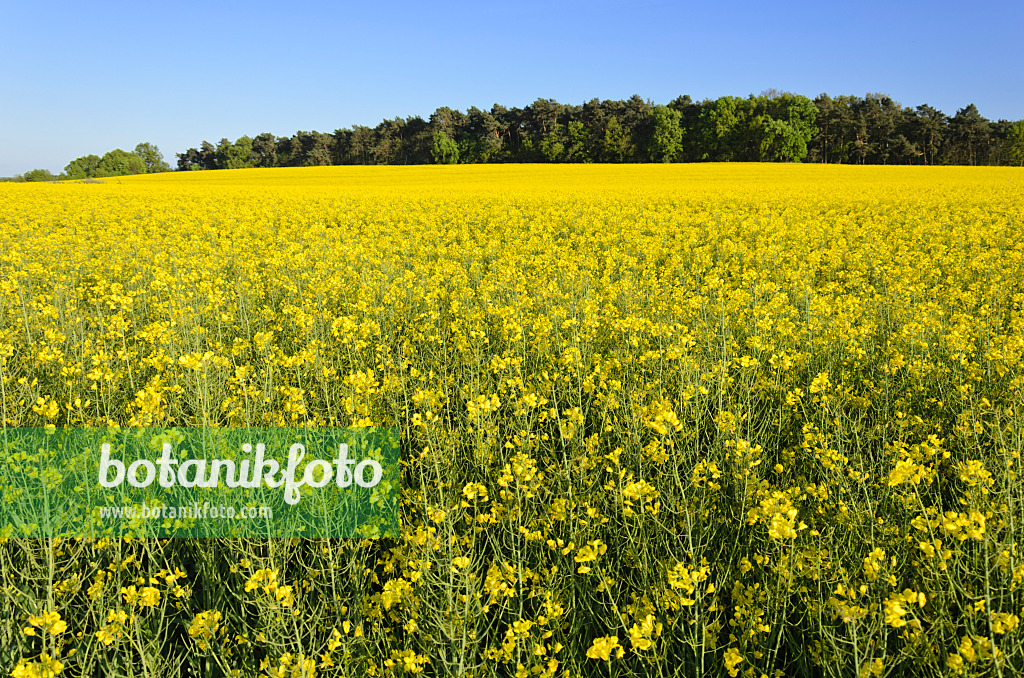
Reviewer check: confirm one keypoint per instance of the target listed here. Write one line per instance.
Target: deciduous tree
(667, 135)
(1015, 143)
(152, 158)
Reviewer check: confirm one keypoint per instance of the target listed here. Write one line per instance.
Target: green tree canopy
(613, 144)
(118, 163)
(789, 126)
(82, 168)
(236, 155)
(1015, 142)
(772, 126)
(445, 151)
(38, 175)
(551, 146)
(667, 137)
(968, 131)
(718, 121)
(152, 158)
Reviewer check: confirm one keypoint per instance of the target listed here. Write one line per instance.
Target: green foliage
(236, 155)
(264, 150)
(613, 145)
(482, 139)
(667, 139)
(445, 151)
(1015, 142)
(144, 160)
(39, 175)
(773, 126)
(788, 126)
(577, 140)
(152, 158)
(82, 168)
(551, 146)
(718, 123)
(118, 163)
(927, 127)
(969, 132)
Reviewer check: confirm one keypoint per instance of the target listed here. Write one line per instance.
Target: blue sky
(87, 77)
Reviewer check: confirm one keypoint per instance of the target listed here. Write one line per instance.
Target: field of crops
(679, 420)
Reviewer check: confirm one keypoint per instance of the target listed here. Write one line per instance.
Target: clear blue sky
(87, 77)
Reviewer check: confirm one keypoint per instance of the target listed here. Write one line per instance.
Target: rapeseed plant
(681, 420)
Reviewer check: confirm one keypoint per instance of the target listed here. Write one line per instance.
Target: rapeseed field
(680, 420)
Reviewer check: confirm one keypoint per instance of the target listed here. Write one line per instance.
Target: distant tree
(577, 141)
(264, 150)
(718, 126)
(189, 160)
(221, 152)
(390, 147)
(788, 123)
(236, 155)
(445, 151)
(39, 175)
(208, 155)
(288, 151)
(483, 136)
(968, 132)
(904, 149)
(837, 129)
(552, 148)
(1015, 143)
(82, 168)
(878, 118)
(681, 103)
(634, 115)
(667, 136)
(313, 149)
(117, 163)
(152, 158)
(594, 117)
(818, 149)
(417, 142)
(772, 126)
(448, 120)
(510, 127)
(613, 143)
(927, 131)
(361, 144)
(689, 112)
(542, 116)
(342, 145)
(996, 150)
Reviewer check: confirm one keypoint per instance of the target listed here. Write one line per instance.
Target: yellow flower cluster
(654, 419)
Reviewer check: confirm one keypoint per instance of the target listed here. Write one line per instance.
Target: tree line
(770, 127)
(145, 159)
